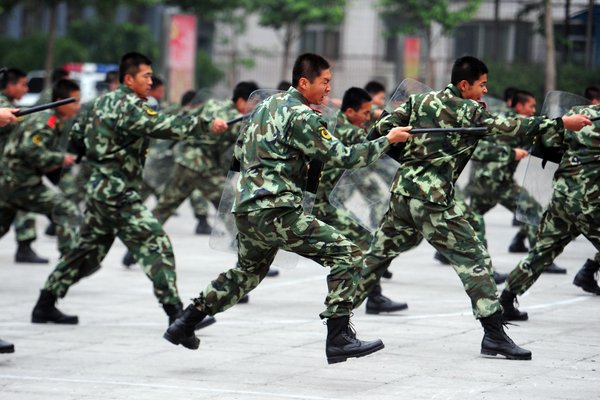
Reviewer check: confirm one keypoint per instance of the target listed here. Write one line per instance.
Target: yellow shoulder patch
(325, 133)
(150, 111)
(36, 139)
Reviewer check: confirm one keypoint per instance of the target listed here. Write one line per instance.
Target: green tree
(288, 17)
(418, 16)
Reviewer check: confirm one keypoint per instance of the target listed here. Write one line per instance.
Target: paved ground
(273, 347)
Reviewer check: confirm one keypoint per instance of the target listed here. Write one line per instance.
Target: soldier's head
(187, 97)
(509, 93)
(469, 75)
(592, 93)
(58, 74)
(377, 92)
(241, 94)
(111, 80)
(135, 72)
(63, 89)
(311, 77)
(523, 102)
(356, 105)
(283, 85)
(14, 83)
(157, 90)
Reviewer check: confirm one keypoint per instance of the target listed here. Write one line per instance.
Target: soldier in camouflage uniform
(31, 151)
(496, 160)
(284, 134)
(7, 116)
(114, 139)
(423, 205)
(573, 210)
(355, 111)
(57, 75)
(13, 84)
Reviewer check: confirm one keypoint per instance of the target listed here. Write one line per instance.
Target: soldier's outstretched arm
(489, 150)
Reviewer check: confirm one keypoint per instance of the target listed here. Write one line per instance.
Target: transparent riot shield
(224, 232)
(365, 192)
(537, 179)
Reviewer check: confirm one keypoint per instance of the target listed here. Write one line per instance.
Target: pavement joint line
(161, 386)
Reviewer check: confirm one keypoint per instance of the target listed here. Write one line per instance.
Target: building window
(321, 40)
(506, 42)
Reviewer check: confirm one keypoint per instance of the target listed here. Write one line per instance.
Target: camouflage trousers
(40, 199)
(507, 194)
(182, 182)
(199, 203)
(141, 232)
(564, 220)
(25, 226)
(261, 234)
(447, 229)
(343, 222)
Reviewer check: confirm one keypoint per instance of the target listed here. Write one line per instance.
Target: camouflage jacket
(578, 174)
(431, 163)
(204, 150)
(115, 134)
(494, 156)
(282, 136)
(5, 131)
(348, 134)
(32, 150)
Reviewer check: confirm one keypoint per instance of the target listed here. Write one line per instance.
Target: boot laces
(505, 324)
(351, 332)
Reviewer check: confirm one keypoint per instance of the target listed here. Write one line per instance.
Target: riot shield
(365, 192)
(537, 179)
(224, 231)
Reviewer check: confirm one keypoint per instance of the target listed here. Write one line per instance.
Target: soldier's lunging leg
(26, 234)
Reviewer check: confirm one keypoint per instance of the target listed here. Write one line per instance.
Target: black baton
(46, 106)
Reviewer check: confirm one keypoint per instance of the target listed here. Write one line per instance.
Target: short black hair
(283, 85)
(11, 75)
(187, 97)
(130, 64)
(63, 88)
(468, 69)
(374, 87)
(309, 66)
(521, 97)
(58, 74)
(509, 93)
(156, 82)
(354, 98)
(592, 93)
(243, 90)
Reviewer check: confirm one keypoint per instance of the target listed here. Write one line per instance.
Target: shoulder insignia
(51, 122)
(150, 111)
(36, 139)
(324, 133)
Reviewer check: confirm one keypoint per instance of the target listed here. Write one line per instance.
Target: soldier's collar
(454, 90)
(295, 93)
(6, 97)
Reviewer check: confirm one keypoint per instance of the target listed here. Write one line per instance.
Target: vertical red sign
(181, 55)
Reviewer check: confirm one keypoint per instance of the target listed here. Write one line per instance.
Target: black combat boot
(25, 254)
(509, 311)
(586, 277)
(499, 277)
(441, 258)
(378, 303)
(50, 229)
(46, 311)
(342, 342)
(128, 259)
(387, 274)
(202, 228)
(244, 299)
(6, 347)
(175, 311)
(182, 330)
(554, 269)
(496, 341)
(517, 245)
(273, 272)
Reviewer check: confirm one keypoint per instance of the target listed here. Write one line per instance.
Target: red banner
(181, 55)
(412, 57)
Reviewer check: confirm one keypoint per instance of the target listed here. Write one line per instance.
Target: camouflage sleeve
(489, 150)
(139, 119)
(37, 150)
(498, 124)
(310, 135)
(399, 117)
(77, 132)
